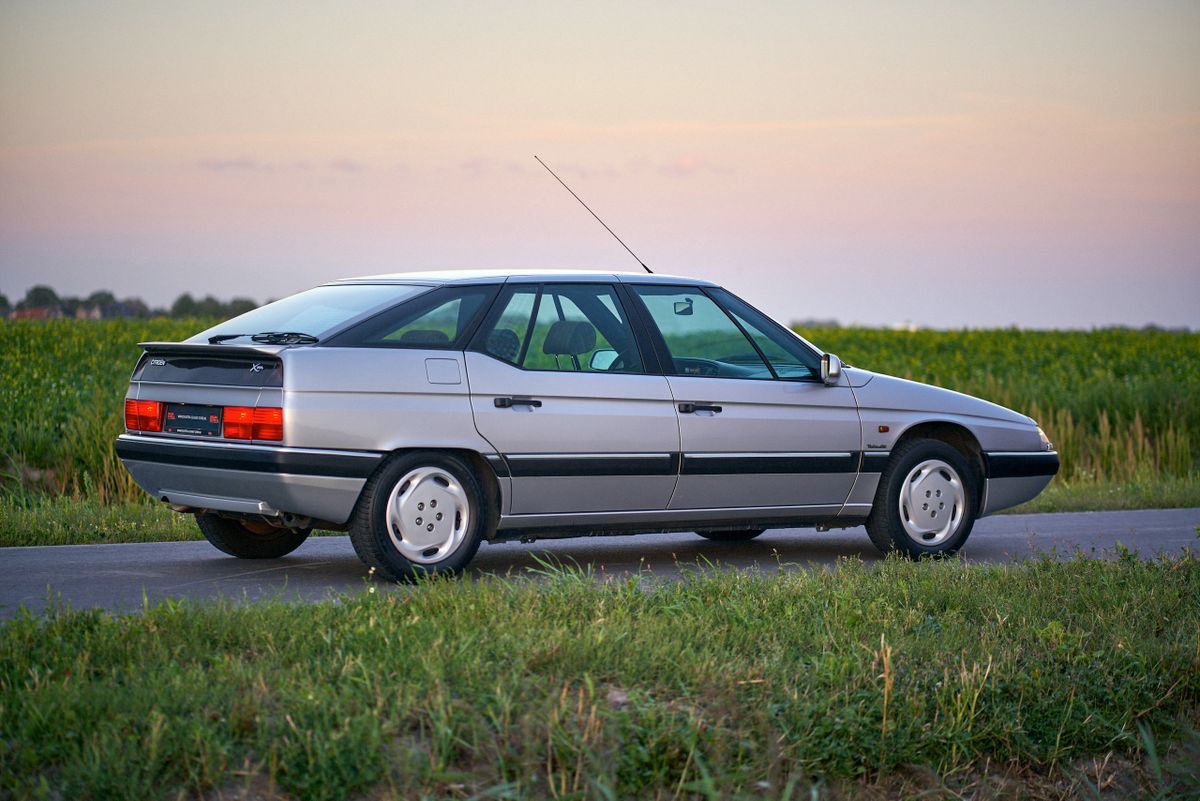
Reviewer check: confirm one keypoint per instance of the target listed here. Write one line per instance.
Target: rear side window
(440, 320)
(317, 311)
(565, 327)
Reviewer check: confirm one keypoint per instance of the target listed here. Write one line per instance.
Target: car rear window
(318, 311)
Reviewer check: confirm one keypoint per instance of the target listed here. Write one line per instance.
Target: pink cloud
(347, 165)
(238, 164)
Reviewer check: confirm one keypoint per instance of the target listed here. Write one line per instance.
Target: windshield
(317, 311)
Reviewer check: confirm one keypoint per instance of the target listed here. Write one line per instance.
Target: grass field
(1120, 406)
(720, 686)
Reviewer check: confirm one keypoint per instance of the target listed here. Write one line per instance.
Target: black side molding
(1020, 465)
(251, 459)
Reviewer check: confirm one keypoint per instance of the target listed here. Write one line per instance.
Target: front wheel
(925, 503)
(249, 539)
(421, 513)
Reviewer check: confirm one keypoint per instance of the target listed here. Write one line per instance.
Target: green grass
(36, 519)
(721, 685)
(63, 382)
(1117, 403)
(1155, 492)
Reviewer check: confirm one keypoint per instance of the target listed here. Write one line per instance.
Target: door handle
(506, 403)
(692, 408)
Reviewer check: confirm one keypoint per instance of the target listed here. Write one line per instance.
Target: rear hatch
(208, 392)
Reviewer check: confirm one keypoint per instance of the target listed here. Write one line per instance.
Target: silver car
(426, 413)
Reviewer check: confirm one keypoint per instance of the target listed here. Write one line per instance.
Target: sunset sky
(943, 164)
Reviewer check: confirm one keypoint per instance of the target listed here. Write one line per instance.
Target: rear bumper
(251, 479)
(1014, 478)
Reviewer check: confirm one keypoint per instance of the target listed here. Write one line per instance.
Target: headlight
(1046, 446)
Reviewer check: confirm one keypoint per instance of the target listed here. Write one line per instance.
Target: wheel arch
(958, 437)
(488, 481)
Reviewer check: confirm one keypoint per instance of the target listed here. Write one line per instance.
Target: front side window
(701, 338)
(788, 357)
(567, 327)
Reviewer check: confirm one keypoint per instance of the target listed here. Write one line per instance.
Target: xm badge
(256, 367)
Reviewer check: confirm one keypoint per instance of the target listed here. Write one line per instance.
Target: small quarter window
(438, 320)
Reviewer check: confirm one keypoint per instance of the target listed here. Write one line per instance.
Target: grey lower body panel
(269, 494)
(248, 479)
(1014, 477)
(1002, 493)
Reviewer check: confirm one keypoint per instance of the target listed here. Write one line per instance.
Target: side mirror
(831, 369)
(602, 359)
(683, 308)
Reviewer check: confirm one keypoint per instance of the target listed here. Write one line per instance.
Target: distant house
(89, 313)
(37, 313)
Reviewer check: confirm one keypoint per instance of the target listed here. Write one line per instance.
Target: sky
(936, 164)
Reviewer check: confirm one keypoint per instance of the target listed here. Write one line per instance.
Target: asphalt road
(117, 577)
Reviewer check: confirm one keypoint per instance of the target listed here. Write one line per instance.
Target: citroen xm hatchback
(426, 413)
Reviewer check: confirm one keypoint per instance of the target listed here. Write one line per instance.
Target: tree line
(42, 302)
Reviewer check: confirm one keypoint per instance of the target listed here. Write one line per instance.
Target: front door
(559, 389)
(758, 427)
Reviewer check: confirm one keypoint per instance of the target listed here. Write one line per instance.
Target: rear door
(757, 425)
(559, 388)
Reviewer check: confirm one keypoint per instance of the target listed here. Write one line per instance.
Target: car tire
(248, 539)
(925, 503)
(737, 535)
(421, 513)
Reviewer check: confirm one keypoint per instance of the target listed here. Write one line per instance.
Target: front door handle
(506, 403)
(692, 408)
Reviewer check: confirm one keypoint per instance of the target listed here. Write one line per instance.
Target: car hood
(880, 391)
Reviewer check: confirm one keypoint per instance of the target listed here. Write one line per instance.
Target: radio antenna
(594, 214)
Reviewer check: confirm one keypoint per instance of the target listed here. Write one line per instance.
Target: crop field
(1120, 405)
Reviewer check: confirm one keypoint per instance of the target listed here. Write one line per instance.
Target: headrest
(504, 343)
(423, 337)
(567, 338)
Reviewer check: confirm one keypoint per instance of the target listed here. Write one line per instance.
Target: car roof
(446, 277)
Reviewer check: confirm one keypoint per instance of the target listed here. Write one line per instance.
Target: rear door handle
(506, 403)
(692, 408)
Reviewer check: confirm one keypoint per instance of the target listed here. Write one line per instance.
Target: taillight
(268, 423)
(239, 422)
(143, 415)
(262, 422)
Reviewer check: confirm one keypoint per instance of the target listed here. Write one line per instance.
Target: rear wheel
(421, 513)
(925, 504)
(249, 539)
(737, 535)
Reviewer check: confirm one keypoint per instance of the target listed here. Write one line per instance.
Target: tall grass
(63, 381)
(1120, 405)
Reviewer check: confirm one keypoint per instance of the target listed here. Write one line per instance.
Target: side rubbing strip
(1021, 465)
(713, 464)
(875, 462)
(497, 463)
(529, 465)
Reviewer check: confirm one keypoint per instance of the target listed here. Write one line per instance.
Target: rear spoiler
(203, 349)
